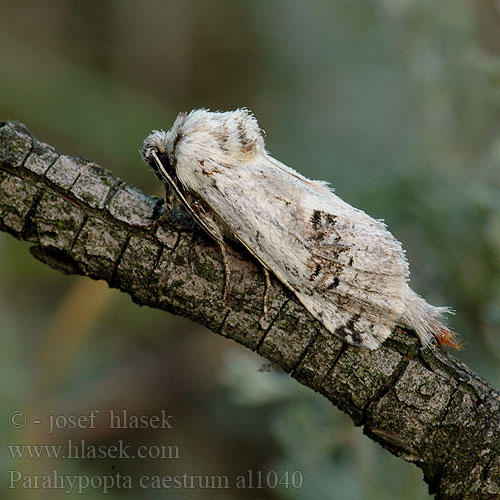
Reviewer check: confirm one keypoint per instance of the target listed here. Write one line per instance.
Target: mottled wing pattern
(343, 266)
(357, 267)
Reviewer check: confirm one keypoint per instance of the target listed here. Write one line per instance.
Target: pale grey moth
(346, 268)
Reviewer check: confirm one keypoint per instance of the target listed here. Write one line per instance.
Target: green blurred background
(394, 102)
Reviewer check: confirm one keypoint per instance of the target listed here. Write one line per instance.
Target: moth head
(160, 146)
(155, 149)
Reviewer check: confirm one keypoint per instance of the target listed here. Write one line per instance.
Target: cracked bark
(422, 405)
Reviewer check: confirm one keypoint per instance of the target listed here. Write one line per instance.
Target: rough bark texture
(422, 405)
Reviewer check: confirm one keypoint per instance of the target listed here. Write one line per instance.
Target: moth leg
(227, 268)
(209, 225)
(157, 221)
(267, 287)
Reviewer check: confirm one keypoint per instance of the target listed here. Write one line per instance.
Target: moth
(346, 268)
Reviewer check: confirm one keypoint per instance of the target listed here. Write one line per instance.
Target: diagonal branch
(422, 405)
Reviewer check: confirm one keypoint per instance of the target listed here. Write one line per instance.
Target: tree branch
(422, 405)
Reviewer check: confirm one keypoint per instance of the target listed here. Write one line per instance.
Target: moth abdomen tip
(447, 337)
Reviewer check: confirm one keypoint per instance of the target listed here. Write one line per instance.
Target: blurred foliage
(318, 440)
(395, 102)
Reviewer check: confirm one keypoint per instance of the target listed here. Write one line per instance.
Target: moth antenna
(218, 238)
(181, 197)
